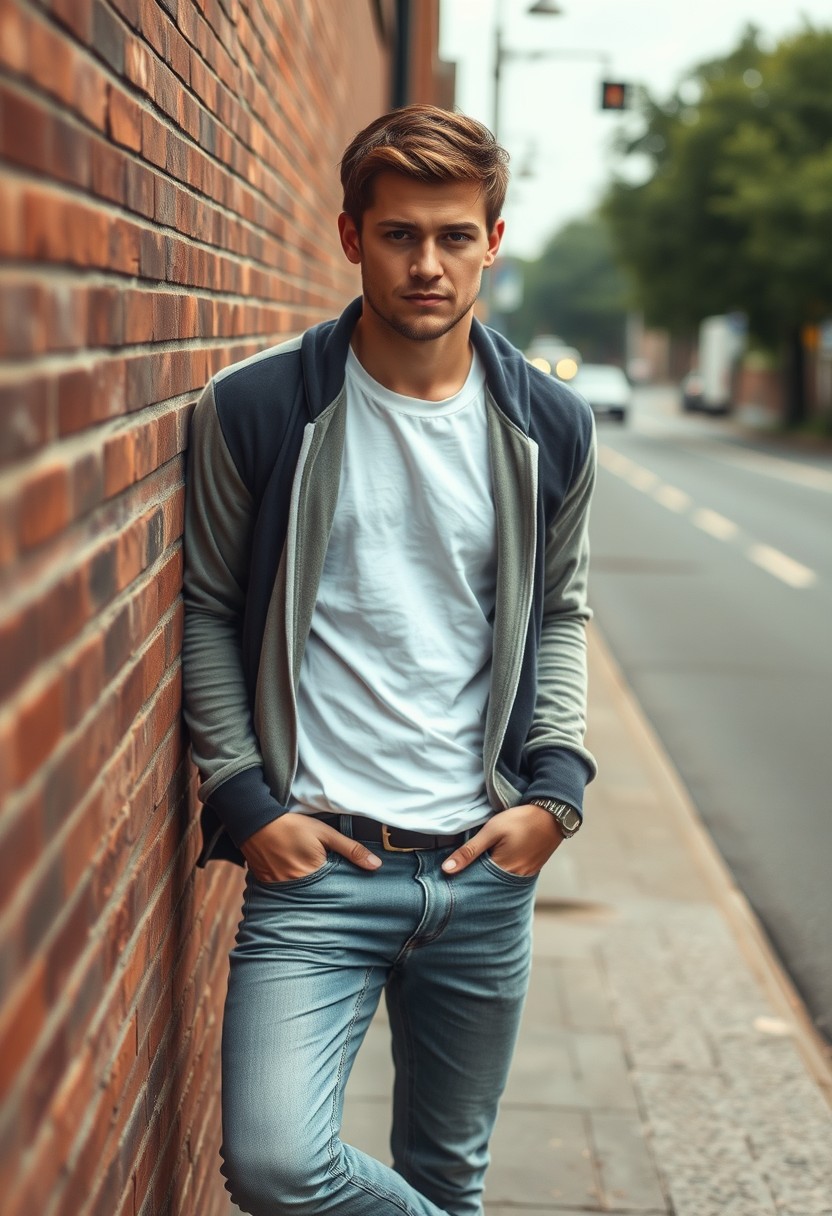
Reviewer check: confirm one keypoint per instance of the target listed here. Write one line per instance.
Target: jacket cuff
(245, 804)
(559, 773)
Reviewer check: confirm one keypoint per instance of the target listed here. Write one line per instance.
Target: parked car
(554, 356)
(606, 388)
(692, 391)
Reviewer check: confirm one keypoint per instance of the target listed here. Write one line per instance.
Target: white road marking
(673, 499)
(782, 567)
(616, 462)
(777, 466)
(641, 479)
(789, 571)
(715, 524)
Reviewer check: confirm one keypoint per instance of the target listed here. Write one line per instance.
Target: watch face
(571, 820)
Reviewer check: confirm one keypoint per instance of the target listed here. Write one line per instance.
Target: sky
(550, 120)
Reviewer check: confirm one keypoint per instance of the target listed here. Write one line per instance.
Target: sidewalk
(664, 1064)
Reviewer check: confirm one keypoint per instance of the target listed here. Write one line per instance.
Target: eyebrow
(463, 226)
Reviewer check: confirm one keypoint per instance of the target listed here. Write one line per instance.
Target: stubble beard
(429, 329)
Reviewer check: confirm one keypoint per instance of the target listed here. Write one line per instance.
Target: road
(712, 583)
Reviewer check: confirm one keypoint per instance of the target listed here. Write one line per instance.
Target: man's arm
(218, 529)
(219, 521)
(559, 762)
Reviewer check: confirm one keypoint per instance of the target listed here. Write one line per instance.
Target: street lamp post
(541, 8)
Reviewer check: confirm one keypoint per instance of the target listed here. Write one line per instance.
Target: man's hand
(520, 840)
(293, 846)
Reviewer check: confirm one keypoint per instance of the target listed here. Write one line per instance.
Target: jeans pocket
(305, 880)
(514, 880)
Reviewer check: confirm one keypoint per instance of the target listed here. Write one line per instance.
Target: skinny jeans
(313, 955)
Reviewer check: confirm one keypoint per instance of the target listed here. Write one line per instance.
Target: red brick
(76, 15)
(24, 131)
(23, 1015)
(109, 167)
(23, 324)
(139, 66)
(124, 119)
(105, 311)
(119, 459)
(44, 505)
(12, 208)
(39, 725)
(89, 97)
(15, 38)
(138, 316)
(84, 678)
(87, 483)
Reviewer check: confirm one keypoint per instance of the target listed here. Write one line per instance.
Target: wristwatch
(569, 820)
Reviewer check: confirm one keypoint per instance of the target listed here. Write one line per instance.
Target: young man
(386, 557)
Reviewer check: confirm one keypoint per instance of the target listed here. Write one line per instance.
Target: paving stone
(565, 934)
(545, 1002)
(541, 1158)
(660, 1014)
(585, 994)
(628, 1175)
(704, 1154)
(602, 1068)
(543, 1071)
(556, 1210)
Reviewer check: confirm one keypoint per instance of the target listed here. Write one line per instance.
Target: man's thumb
(353, 850)
(466, 853)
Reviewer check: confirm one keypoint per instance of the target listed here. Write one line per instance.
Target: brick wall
(167, 201)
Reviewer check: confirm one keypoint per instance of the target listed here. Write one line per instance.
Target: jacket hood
(324, 353)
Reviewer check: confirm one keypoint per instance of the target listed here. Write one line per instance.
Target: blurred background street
(712, 582)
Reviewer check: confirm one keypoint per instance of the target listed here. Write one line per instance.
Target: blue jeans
(311, 959)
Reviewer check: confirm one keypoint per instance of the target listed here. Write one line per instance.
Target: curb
(743, 922)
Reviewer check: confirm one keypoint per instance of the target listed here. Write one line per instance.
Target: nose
(426, 262)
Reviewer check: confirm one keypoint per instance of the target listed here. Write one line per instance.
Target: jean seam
(333, 1119)
(407, 1156)
(511, 880)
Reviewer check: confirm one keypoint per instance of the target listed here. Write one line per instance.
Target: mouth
(424, 297)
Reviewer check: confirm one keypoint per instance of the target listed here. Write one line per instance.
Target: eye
(458, 238)
(397, 235)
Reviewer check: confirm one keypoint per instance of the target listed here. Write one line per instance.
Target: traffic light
(613, 95)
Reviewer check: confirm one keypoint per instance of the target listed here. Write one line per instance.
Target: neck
(430, 371)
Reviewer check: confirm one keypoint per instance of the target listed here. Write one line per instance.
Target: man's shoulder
(248, 376)
(555, 404)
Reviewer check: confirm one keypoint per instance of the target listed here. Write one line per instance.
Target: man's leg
(307, 971)
(455, 998)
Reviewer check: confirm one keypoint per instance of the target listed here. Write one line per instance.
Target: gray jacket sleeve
(218, 530)
(556, 738)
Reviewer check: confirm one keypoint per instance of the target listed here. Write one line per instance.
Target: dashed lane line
(767, 558)
(715, 524)
(781, 566)
(673, 499)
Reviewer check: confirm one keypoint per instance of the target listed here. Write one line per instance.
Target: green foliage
(575, 290)
(736, 211)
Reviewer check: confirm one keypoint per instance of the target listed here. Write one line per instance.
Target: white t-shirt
(395, 675)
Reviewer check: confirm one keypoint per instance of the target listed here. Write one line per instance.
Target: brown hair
(430, 145)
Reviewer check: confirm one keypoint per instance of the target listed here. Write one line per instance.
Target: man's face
(422, 249)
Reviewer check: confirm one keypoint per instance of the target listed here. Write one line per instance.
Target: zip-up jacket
(264, 465)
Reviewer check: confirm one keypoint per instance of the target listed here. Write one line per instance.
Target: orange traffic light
(613, 95)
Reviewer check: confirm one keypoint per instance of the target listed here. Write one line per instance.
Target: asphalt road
(712, 583)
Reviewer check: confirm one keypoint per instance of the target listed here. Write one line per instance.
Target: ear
(350, 239)
(495, 237)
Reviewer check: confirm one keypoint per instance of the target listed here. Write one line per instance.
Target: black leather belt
(395, 840)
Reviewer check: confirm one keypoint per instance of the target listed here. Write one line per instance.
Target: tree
(735, 211)
(575, 290)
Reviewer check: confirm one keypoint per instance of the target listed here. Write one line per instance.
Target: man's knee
(275, 1182)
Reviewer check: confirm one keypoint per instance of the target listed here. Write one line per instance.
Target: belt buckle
(392, 848)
